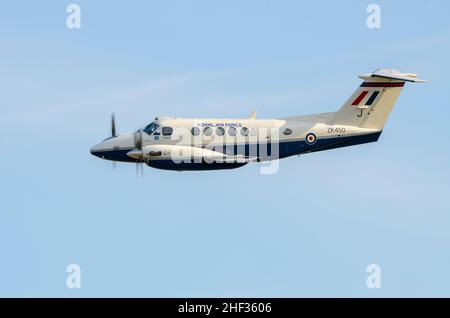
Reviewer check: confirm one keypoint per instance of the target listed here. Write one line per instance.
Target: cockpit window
(167, 131)
(150, 129)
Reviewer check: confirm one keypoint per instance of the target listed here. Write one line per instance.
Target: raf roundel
(311, 139)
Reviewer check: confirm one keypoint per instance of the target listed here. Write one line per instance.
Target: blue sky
(309, 230)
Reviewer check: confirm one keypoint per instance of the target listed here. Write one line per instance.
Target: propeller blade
(139, 146)
(138, 140)
(139, 170)
(138, 154)
(113, 125)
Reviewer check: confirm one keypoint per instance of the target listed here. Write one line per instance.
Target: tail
(371, 104)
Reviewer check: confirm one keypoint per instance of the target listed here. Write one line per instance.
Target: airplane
(179, 144)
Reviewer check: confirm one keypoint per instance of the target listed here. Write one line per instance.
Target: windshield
(150, 129)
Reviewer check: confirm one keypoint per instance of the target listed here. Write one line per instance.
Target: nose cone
(97, 150)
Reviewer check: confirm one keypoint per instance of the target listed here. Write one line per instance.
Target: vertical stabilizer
(371, 104)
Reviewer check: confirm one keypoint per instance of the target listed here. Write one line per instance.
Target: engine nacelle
(178, 154)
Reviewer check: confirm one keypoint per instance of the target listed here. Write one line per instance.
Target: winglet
(252, 115)
(388, 73)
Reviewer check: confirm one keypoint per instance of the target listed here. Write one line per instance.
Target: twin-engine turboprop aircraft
(206, 144)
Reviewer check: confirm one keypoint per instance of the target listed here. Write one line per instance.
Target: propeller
(113, 125)
(138, 148)
(139, 169)
(113, 132)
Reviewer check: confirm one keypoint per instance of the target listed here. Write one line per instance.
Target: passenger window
(220, 131)
(232, 131)
(167, 131)
(207, 131)
(287, 131)
(244, 131)
(195, 131)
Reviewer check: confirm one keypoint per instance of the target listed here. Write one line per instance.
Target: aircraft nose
(115, 148)
(97, 150)
(94, 153)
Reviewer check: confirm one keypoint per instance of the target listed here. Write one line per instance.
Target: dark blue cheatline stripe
(375, 84)
(372, 98)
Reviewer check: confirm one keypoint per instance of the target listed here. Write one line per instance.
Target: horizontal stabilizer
(392, 74)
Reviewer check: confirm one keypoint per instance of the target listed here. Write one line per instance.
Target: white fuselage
(200, 143)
